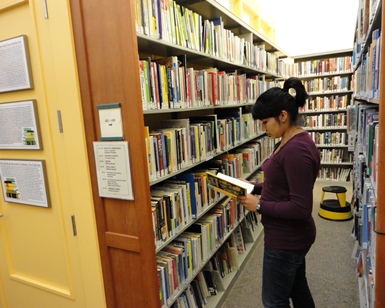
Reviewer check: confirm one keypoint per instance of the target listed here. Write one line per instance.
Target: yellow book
(165, 104)
(201, 228)
(149, 152)
(196, 248)
(197, 142)
(228, 185)
(190, 252)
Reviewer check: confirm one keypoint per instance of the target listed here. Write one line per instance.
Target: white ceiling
(309, 26)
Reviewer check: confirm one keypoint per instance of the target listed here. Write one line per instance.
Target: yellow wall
(250, 12)
(48, 263)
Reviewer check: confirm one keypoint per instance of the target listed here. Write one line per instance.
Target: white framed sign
(111, 125)
(15, 66)
(24, 182)
(19, 126)
(113, 169)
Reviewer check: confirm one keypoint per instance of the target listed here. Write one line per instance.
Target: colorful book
(228, 185)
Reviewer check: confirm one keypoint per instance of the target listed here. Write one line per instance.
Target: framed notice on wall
(15, 67)
(24, 181)
(19, 126)
(113, 169)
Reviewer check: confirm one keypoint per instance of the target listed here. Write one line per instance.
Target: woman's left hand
(249, 202)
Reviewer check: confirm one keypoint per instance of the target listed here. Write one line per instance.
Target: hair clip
(292, 92)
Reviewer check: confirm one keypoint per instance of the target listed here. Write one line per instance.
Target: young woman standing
(286, 197)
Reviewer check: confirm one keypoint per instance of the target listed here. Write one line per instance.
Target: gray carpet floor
(331, 270)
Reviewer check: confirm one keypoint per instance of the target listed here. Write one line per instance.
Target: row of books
(365, 179)
(180, 200)
(192, 267)
(184, 142)
(361, 197)
(351, 119)
(326, 103)
(258, 177)
(366, 77)
(366, 12)
(360, 177)
(255, 152)
(327, 84)
(256, 57)
(176, 203)
(368, 137)
(335, 156)
(329, 138)
(364, 118)
(176, 24)
(364, 232)
(167, 83)
(366, 261)
(171, 209)
(334, 174)
(371, 147)
(199, 241)
(325, 120)
(323, 66)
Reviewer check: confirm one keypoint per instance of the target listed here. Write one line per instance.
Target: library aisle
(330, 265)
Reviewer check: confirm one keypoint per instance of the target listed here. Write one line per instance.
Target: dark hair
(271, 102)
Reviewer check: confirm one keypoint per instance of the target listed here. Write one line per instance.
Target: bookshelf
(328, 78)
(110, 72)
(369, 171)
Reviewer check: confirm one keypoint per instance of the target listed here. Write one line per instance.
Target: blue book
(190, 179)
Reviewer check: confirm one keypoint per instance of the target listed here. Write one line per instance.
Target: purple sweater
(287, 194)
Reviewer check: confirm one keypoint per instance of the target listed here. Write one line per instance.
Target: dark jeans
(284, 277)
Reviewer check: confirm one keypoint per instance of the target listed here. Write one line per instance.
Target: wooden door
(49, 257)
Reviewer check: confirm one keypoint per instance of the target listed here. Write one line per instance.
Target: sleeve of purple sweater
(257, 188)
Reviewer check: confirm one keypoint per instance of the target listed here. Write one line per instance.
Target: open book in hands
(229, 185)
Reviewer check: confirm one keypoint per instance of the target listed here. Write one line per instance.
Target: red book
(214, 88)
(189, 82)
